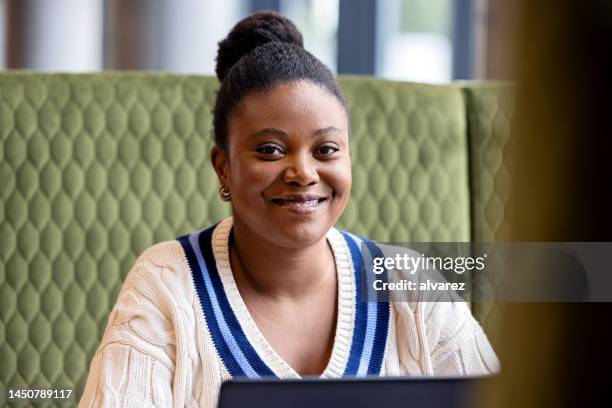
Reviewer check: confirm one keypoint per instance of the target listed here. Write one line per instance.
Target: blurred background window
(416, 40)
(409, 40)
(168, 35)
(54, 35)
(318, 21)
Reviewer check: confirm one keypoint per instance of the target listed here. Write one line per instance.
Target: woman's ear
(220, 162)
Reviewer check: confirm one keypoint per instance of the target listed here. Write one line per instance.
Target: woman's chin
(286, 229)
(299, 235)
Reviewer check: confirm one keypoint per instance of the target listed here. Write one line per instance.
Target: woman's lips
(303, 205)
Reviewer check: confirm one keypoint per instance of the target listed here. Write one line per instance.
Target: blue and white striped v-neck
(362, 327)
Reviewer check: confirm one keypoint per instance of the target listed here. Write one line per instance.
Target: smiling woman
(274, 289)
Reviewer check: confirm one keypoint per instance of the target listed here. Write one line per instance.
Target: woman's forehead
(300, 103)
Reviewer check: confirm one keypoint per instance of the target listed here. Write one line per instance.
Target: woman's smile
(301, 204)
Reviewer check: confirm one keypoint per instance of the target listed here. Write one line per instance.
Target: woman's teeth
(294, 202)
(300, 207)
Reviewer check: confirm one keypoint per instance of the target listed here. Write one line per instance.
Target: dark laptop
(379, 392)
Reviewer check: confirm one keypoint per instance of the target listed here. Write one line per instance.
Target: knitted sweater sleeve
(139, 361)
(456, 342)
(443, 339)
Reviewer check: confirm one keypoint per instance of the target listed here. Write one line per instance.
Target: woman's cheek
(254, 175)
(341, 178)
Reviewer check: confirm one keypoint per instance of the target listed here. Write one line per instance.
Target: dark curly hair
(261, 51)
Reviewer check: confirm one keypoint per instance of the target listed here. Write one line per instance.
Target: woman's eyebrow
(282, 133)
(270, 131)
(328, 129)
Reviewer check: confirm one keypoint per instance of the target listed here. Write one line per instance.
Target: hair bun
(251, 32)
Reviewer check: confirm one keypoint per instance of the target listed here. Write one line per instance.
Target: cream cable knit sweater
(162, 348)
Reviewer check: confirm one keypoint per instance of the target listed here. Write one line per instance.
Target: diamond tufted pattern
(95, 168)
(409, 158)
(490, 110)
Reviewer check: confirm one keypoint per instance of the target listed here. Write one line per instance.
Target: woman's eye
(270, 150)
(327, 150)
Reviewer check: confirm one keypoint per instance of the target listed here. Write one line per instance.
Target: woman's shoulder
(171, 259)
(166, 255)
(171, 254)
(160, 267)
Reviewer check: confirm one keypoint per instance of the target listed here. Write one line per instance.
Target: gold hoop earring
(225, 194)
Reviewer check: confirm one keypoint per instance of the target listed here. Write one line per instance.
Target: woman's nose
(301, 169)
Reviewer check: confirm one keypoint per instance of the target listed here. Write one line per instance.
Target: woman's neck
(280, 272)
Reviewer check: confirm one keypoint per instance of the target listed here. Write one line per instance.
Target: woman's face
(287, 163)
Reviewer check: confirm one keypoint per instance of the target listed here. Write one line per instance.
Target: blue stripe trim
(228, 359)
(372, 318)
(382, 321)
(219, 316)
(253, 358)
(233, 347)
(371, 309)
(352, 364)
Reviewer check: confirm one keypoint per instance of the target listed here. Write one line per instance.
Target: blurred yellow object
(554, 355)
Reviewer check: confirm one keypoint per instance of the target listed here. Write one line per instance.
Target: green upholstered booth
(95, 168)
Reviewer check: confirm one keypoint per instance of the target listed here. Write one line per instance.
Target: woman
(271, 291)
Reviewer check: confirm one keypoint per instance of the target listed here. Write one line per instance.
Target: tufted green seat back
(490, 110)
(410, 165)
(95, 168)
